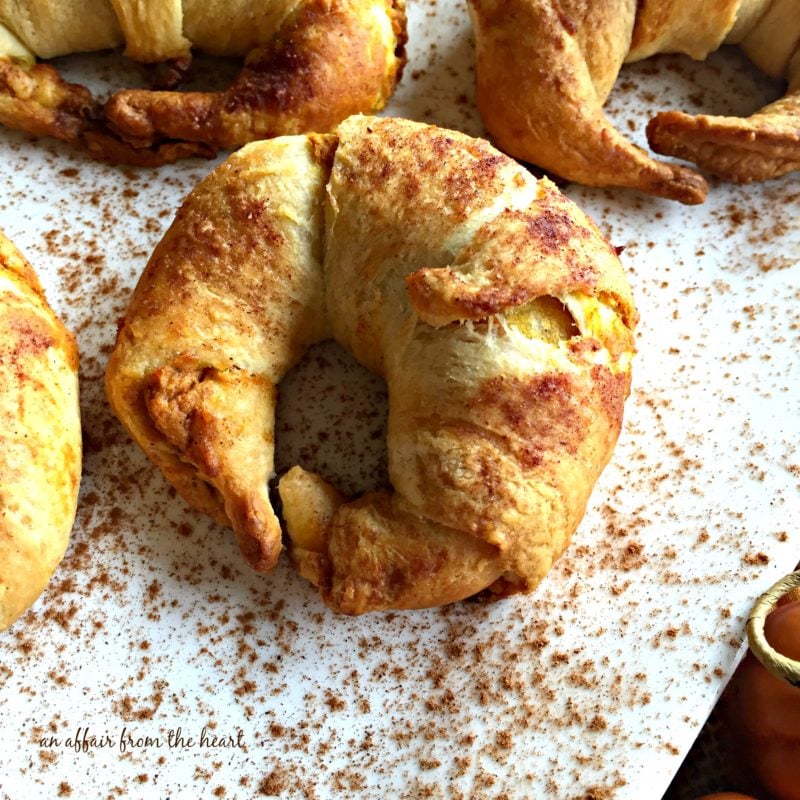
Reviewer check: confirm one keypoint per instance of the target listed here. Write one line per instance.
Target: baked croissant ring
(40, 436)
(545, 69)
(308, 65)
(498, 315)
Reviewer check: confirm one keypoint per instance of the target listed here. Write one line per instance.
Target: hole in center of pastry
(331, 420)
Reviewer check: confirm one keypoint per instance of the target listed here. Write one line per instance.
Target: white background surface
(594, 686)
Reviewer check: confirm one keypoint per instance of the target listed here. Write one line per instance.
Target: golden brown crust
(549, 248)
(742, 149)
(544, 69)
(321, 61)
(210, 416)
(153, 29)
(327, 62)
(503, 408)
(206, 336)
(40, 442)
(550, 112)
(382, 555)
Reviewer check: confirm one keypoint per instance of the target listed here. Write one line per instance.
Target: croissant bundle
(545, 69)
(497, 313)
(308, 65)
(40, 436)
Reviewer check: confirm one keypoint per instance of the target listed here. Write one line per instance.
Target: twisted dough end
(756, 148)
(542, 75)
(36, 99)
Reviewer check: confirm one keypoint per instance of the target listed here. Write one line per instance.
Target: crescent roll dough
(496, 312)
(308, 65)
(545, 68)
(40, 437)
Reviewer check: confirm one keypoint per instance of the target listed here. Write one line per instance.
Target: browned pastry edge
(743, 149)
(550, 113)
(553, 240)
(39, 101)
(325, 64)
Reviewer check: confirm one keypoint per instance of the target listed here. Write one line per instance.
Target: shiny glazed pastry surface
(40, 437)
(498, 315)
(546, 68)
(308, 65)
